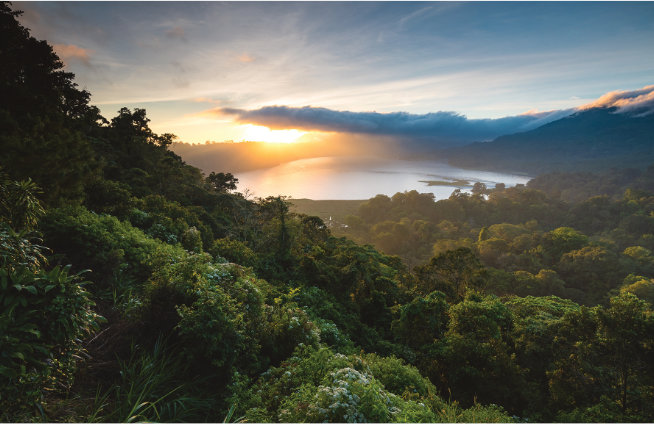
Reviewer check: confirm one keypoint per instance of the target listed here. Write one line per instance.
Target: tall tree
(41, 115)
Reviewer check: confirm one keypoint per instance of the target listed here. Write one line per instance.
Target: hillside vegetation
(591, 140)
(135, 288)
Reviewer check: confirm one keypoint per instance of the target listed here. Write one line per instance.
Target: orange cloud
(71, 52)
(625, 100)
(216, 112)
(206, 100)
(537, 113)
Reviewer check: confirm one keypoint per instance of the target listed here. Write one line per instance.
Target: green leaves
(18, 249)
(30, 289)
(453, 272)
(151, 388)
(40, 330)
(318, 385)
(19, 207)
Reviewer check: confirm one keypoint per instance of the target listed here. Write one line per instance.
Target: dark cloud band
(438, 128)
(446, 127)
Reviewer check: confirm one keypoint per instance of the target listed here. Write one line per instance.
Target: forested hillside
(527, 242)
(135, 288)
(589, 140)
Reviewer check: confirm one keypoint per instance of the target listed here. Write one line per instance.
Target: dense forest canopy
(135, 288)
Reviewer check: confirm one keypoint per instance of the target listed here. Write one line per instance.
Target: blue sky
(483, 59)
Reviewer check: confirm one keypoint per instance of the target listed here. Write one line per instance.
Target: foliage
(475, 354)
(221, 182)
(120, 255)
(528, 243)
(17, 251)
(607, 345)
(44, 313)
(151, 388)
(234, 251)
(422, 321)
(453, 272)
(318, 385)
(254, 300)
(640, 286)
(215, 310)
(44, 316)
(19, 207)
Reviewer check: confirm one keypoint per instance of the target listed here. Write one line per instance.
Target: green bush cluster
(318, 385)
(120, 255)
(45, 314)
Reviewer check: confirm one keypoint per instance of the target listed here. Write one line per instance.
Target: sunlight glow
(261, 133)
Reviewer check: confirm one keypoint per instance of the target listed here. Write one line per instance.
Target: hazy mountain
(241, 157)
(592, 139)
(589, 140)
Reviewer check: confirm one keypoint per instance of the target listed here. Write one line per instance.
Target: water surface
(334, 178)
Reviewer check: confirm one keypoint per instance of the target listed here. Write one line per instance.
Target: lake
(345, 178)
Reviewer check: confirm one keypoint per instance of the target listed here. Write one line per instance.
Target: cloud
(414, 14)
(246, 58)
(179, 76)
(436, 129)
(71, 52)
(203, 99)
(641, 100)
(427, 12)
(542, 118)
(176, 32)
(444, 128)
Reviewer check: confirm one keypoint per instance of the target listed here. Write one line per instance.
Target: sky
(282, 71)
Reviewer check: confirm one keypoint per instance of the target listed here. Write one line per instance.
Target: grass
(336, 209)
(150, 389)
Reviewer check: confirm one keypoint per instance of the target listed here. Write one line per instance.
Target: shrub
(317, 385)
(234, 251)
(44, 316)
(216, 311)
(120, 255)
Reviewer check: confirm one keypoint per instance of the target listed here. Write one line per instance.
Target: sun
(260, 133)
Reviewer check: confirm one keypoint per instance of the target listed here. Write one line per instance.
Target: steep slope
(589, 140)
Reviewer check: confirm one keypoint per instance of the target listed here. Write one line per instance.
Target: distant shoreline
(455, 183)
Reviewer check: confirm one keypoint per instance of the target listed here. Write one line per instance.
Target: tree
(592, 269)
(42, 115)
(626, 336)
(221, 182)
(479, 188)
(536, 322)
(562, 240)
(452, 272)
(642, 287)
(474, 357)
(375, 209)
(603, 360)
(422, 321)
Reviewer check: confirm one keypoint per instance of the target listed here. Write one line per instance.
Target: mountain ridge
(589, 140)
